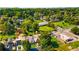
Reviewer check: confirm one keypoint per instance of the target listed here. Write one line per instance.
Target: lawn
(46, 28)
(62, 24)
(74, 44)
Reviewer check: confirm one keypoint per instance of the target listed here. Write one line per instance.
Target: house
(36, 37)
(43, 23)
(30, 39)
(9, 45)
(63, 37)
(22, 37)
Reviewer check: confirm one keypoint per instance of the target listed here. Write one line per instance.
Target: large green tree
(75, 30)
(26, 45)
(2, 48)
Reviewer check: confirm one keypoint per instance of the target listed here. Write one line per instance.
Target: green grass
(63, 47)
(38, 21)
(74, 44)
(62, 24)
(46, 28)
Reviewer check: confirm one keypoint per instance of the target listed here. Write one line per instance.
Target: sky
(39, 3)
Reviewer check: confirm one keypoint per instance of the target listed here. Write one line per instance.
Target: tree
(75, 30)
(54, 42)
(7, 26)
(45, 40)
(35, 25)
(2, 48)
(26, 45)
(10, 28)
(25, 26)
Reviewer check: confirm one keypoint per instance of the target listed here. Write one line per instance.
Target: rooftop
(43, 23)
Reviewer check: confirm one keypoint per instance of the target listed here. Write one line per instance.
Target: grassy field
(63, 24)
(74, 44)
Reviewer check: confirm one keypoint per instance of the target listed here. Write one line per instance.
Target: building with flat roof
(43, 23)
